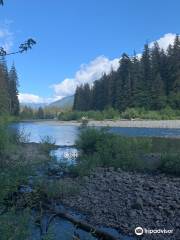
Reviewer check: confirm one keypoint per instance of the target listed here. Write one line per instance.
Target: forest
(150, 81)
(9, 103)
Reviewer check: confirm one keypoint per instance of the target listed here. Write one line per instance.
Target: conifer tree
(4, 94)
(151, 82)
(13, 91)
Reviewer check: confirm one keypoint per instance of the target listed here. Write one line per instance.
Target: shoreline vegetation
(116, 182)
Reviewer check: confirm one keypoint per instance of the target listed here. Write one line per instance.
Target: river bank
(107, 197)
(125, 200)
(172, 124)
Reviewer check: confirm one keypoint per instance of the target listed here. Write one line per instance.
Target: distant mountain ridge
(34, 105)
(66, 102)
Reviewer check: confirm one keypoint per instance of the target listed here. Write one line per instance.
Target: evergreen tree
(151, 82)
(124, 83)
(27, 113)
(40, 113)
(136, 82)
(4, 95)
(158, 99)
(13, 91)
(146, 78)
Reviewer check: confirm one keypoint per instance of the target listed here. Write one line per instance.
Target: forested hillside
(9, 103)
(151, 81)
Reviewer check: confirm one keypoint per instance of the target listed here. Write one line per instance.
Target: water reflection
(66, 155)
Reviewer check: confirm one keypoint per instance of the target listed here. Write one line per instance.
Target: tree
(4, 94)
(151, 82)
(13, 91)
(158, 99)
(40, 113)
(27, 113)
(124, 84)
(146, 77)
(22, 48)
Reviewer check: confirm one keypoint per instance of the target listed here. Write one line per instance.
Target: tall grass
(100, 148)
(130, 113)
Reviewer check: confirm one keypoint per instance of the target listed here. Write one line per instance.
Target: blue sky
(77, 40)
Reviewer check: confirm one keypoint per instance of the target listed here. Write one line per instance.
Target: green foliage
(14, 226)
(103, 149)
(108, 113)
(4, 138)
(47, 143)
(99, 148)
(40, 113)
(58, 189)
(140, 113)
(9, 103)
(151, 82)
(112, 114)
(170, 163)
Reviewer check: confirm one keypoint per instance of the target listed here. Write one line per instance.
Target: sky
(79, 40)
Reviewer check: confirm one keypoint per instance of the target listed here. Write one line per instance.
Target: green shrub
(170, 163)
(57, 189)
(99, 148)
(14, 226)
(130, 113)
(47, 143)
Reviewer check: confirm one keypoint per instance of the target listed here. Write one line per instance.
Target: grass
(100, 148)
(130, 113)
(15, 169)
(57, 189)
(14, 226)
(47, 144)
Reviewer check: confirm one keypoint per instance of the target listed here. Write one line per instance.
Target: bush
(170, 163)
(130, 113)
(47, 143)
(99, 148)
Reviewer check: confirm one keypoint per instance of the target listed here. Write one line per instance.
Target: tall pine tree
(13, 91)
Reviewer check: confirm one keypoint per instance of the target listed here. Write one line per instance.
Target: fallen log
(80, 224)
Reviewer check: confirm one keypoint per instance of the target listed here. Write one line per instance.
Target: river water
(65, 135)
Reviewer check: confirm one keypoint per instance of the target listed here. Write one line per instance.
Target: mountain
(66, 102)
(33, 105)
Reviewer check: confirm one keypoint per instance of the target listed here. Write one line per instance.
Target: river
(65, 135)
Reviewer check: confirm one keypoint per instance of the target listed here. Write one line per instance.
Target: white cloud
(6, 36)
(92, 71)
(31, 98)
(165, 41)
(87, 73)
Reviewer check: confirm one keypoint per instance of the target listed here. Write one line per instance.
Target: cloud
(87, 73)
(165, 41)
(6, 36)
(32, 98)
(92, 71)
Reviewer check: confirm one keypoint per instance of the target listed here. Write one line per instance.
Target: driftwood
(79, 224)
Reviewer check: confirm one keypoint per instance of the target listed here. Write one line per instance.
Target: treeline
(28, 112)
(151, 81)
(9, 103)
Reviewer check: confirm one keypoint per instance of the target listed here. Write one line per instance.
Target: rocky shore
(126, 200)
(120, 200)
(137, 123)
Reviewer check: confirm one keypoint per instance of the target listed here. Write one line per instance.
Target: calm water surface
(66, 135)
